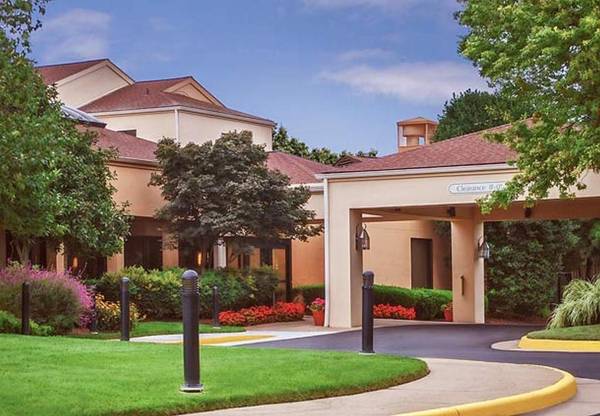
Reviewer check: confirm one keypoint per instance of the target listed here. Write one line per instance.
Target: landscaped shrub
(59, 300)
(580, 305)
(282, 312)
(157, 294)
(426, 302)
(393, 312)
(10, 324)
(108, 314)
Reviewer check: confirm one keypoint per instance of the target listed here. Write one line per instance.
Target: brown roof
(127, 146)
(417, 120)
(298, 169)
(466, 150)
(54, 73)
(151, 94)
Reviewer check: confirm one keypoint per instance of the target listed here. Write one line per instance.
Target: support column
(220, 255)
(345, 263)
(115, 262)
(468, 292)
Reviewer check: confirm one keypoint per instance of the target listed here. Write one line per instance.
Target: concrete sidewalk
(451, 382)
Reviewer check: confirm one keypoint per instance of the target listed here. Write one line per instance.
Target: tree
(284, 143)
(55, 186)
(474, 110)
(223, 189)
(546, 52)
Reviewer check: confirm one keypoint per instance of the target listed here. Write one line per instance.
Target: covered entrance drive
(440, 182)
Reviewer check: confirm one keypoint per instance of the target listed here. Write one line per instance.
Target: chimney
(415, 132)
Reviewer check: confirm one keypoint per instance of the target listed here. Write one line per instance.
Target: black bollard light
(125, 309)
(25, 308)
(191, 343)
(94, 317)
(367, 313)
(215, 307)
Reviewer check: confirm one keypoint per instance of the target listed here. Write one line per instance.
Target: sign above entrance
(475, 188)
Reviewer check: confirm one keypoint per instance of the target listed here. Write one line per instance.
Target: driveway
(467, 342)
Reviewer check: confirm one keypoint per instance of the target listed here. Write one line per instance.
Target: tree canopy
(548, 53)
(55, 185)
(223, 189)
(292, 145)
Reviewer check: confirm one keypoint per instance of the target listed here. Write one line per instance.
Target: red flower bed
(393, 312)
(282, 312)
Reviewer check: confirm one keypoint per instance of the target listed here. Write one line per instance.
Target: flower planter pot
(318, 317)
(448, 314)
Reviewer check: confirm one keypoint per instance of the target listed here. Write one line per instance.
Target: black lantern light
(483, 249)
(363, 241)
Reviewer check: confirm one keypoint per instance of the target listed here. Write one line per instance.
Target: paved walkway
(451, 382)
(585, 403)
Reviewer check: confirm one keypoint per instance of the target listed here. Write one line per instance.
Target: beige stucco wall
(84, 88)
(132, 186)
(190, 91)
(200, 128)
(308, 261)
(149, 125)
(390, 258)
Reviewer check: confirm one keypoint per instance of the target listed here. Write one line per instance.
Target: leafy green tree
(55, 186)
(474, 110)
(223, 189)
(284, 143)
(546, 52)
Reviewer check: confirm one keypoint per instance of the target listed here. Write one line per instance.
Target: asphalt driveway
(468, 342)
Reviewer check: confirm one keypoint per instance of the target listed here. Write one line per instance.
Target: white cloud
(423, 82)
(364, 54)
(76, 34)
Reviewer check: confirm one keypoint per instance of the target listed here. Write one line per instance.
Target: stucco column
(115, 262)
(220, 255)
(345, 263)
(170, 252)
(467, 272)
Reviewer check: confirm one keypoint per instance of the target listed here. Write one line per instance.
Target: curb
(558, 345)
(557, 393)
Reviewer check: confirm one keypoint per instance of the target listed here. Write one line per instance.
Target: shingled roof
(298, 169)
(152, 94)
(54, 73)
(466, 150)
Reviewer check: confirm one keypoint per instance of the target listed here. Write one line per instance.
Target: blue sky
(335, 73)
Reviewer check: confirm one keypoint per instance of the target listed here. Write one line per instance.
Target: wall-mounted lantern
(363, 241)
(483, 249)
(199, 258)
(74, 262)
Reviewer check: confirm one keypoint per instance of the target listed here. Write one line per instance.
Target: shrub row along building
(401, 197)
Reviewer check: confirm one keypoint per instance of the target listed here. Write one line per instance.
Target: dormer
(415, 132)
(189, 87)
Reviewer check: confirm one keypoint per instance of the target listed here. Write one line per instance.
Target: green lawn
(159, 328)
(67, 376)
(580, 333)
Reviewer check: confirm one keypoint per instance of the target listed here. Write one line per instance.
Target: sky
(335, 73)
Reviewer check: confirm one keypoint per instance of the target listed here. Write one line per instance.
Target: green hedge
(427, 302)
(10, 324)
(157, 293)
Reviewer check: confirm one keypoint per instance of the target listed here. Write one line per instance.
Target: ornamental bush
(108, 314)
(580, 305)
(10, 324)
(255, 315)
(427, 303)
(157, 294)
(59, 300)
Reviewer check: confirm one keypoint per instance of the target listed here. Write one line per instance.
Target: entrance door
(421, 262)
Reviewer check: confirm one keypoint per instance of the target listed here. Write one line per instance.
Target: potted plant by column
(317, 307)
(447, 309)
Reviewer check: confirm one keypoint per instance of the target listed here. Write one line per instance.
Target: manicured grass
(160, 328)
(579, 333)
(66, 376)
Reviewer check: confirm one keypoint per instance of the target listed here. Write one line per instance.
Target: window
(145, 251)
(422, 141)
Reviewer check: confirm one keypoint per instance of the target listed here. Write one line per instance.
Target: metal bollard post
(25, 308)
(125, 309)
(190, 297)
(367, 313)
(215, 307)
(94, 321)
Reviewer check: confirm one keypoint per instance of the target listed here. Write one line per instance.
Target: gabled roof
(298, 169)
(416, 120)
(152, 94)
(54, 73)
(466, 150)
